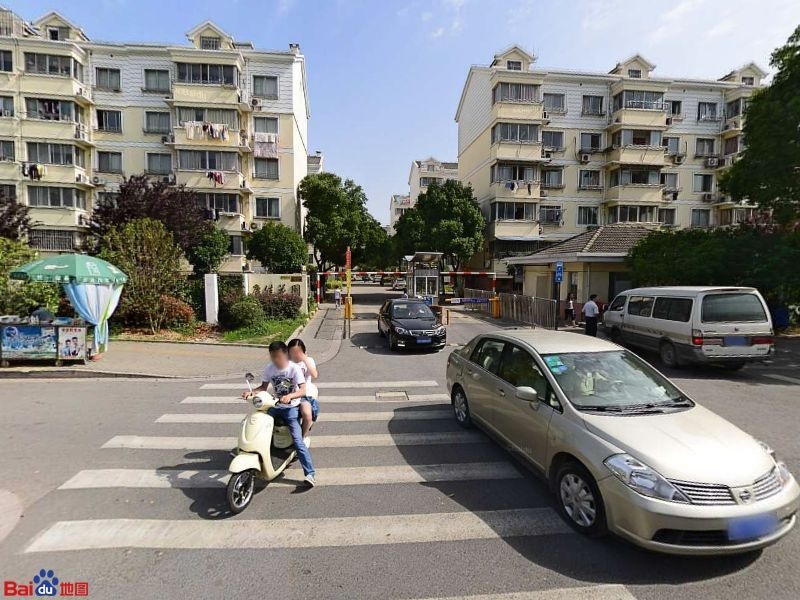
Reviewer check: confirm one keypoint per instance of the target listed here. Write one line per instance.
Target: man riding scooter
(289, 387)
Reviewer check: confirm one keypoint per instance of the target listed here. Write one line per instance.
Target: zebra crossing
(416, 448)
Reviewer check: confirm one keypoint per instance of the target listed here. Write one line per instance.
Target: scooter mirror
(249, 377)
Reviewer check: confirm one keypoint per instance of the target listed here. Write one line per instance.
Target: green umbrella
(64, 268)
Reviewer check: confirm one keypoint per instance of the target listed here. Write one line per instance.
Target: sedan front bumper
(413, 341)
(690, 529)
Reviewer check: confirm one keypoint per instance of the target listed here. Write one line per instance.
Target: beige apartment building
(398, 205)
(554, 153)
(216, 115)
(425, 172)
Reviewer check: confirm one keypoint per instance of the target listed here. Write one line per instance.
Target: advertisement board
(71, 343)
(27, 341)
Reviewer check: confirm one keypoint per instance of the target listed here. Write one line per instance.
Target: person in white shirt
(309, 406)
(591, 312)
(569, 311)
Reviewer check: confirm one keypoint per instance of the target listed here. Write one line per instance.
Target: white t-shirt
(284, 381)
(590, 309)
(311, 389)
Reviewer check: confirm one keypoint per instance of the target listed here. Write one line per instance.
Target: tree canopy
(768, 172)
(15, 221)
(207, 255)
(446, 219)
(278, 248)
(17, 297)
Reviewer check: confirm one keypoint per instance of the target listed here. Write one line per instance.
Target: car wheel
(615, 335)
(733, 366)
(579, 500)
(668, 355)
(392, 342)
(461, 408)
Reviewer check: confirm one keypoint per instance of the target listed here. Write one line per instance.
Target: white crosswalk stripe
(416, 415)
(783, 378)
(589, 592)
(410, 398)
(175, 478)
(338, 385)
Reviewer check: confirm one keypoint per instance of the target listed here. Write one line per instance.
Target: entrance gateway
(423, 276)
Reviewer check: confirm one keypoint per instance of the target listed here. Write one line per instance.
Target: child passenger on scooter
(309, 407)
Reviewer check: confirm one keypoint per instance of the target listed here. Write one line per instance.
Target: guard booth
(423, 276)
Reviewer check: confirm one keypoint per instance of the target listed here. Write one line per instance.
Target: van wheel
(579, 500)
(615, 335)
(668, 354)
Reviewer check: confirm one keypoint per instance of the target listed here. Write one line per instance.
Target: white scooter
(264, 450)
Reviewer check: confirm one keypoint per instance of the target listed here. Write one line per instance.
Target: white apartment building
(425, 172)
(216, 115)
(398, 205)
(552, 153)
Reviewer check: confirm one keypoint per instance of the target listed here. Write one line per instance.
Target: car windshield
(614, 381)
(411, 310)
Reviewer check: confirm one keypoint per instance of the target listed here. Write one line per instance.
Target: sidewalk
(322, 335)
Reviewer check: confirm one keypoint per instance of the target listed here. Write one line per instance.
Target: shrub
(226, 301)
(246, 312)
(279, 306)
(177, 313)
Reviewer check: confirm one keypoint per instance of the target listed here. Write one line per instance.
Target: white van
(730, 326)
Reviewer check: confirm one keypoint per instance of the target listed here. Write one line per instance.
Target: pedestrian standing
(591, 312)
(337, 296)
(569, 311)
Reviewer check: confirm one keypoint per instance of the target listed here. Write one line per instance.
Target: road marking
(297, 533)
(180, 478)
(336, 385)
(319, 441)
(784, 378)
(411, 415)
(325, 400)
(589, 592)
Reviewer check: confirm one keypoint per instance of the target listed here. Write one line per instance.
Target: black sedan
(410, 323)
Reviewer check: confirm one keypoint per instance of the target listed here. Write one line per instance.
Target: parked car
(399, 284)
(730, 326)
(623, 448)
(410, 323)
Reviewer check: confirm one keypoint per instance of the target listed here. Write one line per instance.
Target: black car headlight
(400, 330)
(440, 330)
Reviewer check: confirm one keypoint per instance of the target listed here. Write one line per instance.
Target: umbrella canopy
(67, 268)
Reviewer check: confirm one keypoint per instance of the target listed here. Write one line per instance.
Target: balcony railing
(645, 104)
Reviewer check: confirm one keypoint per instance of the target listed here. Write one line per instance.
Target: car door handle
(501, 391)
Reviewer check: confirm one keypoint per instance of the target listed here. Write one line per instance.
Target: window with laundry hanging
(218, 116)
(266, 168)
(265, 86)
(265, 124)
(201, 160)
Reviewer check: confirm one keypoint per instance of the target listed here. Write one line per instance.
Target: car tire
(668, 355)
(579, 500)
(461, 407)
(615, 336)
(392, 342)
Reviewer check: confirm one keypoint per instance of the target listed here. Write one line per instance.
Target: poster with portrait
(71, 343)
(27, 342)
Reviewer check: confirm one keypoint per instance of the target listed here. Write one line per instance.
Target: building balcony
(512, 229)
(234, 180)
(634, 192)
(654, 118)
(54, 86)
(637, 155)
(523, 151)
(56, 131)
(236, 140)
(65, 217)
(64, 175)
(519, 190)
(518, 111)
(202, 94)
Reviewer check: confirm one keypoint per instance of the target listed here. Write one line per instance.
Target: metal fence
(538, 312)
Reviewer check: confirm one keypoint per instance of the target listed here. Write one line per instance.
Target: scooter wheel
(240, 490)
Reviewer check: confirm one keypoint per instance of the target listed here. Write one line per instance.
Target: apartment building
(398, 205)
(425, 172)
(553, 153)
(219, 116)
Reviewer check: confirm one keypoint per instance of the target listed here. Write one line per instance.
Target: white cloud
(284, 6)
(426, 16)
(438, 32)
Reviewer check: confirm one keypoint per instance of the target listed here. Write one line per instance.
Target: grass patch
(264, 333)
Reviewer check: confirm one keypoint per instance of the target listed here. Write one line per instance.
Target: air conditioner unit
(545, 115)
(669, 121)
(712, 161)
(548, 155)
(585, 158)
(80, 92)
(254, 226)
(98, 180)
(80, 178)
(678, 159)
(169, 179)
(255, 102)
(707, 197)
(543, 193)
(164, 139)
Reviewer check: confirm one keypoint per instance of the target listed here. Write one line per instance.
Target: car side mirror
(527, 393)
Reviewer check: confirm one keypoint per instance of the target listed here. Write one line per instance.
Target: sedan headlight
(439, 330)
(400, 330)
(784, 475)
(642, 479)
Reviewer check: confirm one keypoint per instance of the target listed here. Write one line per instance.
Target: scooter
(264, 449)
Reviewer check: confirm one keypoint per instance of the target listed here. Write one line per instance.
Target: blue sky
(385, 76)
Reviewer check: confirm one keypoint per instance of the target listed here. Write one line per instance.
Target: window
(6, 106)
(8, 191)
(735, 108)
(707, 111)
(513, 211)
(550, 215)
(732, 145)
(512, 172)
(266, 168)
(637, 137)
(266, 124)
(519, 369)
(673, 309)
(638, 99)
(426, 181)
(200, 160)
(640, 306)
(669, 181)
(58, 33)
(109, 120)
(209, 43)
(704, 147)
(487, 354)
(109, 162)
(666, 216)
(748, 81)
(56, 197)
(672, 145)
(156, 122)
(553, 178)
(589, 180)
(635, 73)
(55, 154)
(634, 176)
(701, 217)
(618, 303)
(555, 102)
(268, 208)
(52, 239)
(221, 116)
(587, 215)
(107, 79)
(514, 65)
(50, 64)
(632, 214)
(725, 308)
(703, 182)
(515, 132)
(156, 80)
(675, 107)
(225, 203)
(237, 246)
(159, 163)
(515, 92)
(49, 110)
(553, 139)
(592, 105)
(265, 86)
(6, 61)
(6, 150)
(591, 142)
(208, 74)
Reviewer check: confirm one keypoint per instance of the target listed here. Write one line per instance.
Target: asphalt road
(119, 486)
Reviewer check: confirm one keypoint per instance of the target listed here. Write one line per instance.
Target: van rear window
(741, 308)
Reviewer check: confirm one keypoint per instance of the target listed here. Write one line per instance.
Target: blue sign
(428, 300)
(559, 272)
(469, 300)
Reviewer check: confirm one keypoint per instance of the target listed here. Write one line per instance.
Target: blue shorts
(314, 406)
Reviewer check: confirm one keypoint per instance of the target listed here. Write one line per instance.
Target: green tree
(278, 248)
(15, 220)
(208, 254)
(768, 171)
(446, 219)
(146, 251)
(17, 297)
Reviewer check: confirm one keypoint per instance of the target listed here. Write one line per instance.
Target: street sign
(469, 300)
(559, 272)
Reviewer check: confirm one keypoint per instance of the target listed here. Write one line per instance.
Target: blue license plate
(423, 340)
(749, 528)
(736, 340)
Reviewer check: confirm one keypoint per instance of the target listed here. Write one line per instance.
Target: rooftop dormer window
(635, 73)
(748, 81)
(209, 43)
(514, 65)
(58, 33)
